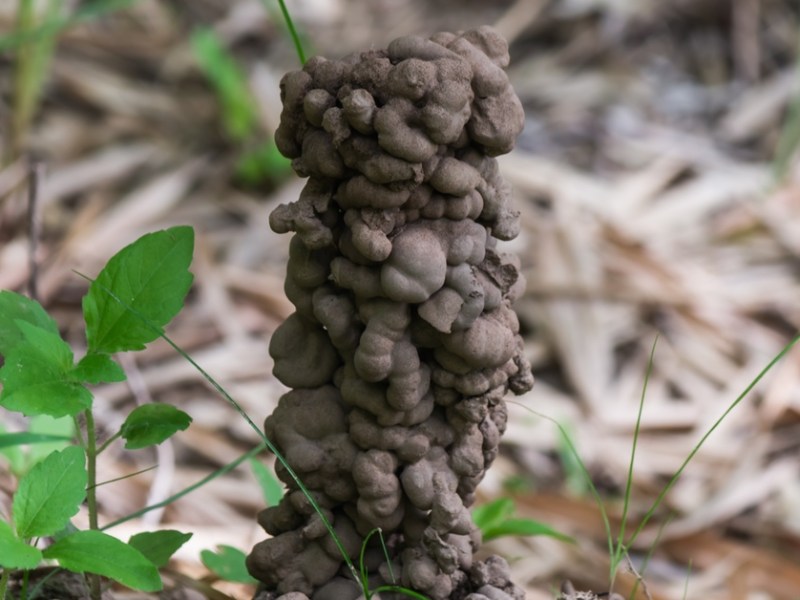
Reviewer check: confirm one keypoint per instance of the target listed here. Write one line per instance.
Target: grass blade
(210, 477)
(629, 480)
(703, 439)
(287, 18)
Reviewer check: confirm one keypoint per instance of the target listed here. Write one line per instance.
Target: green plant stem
(23, 593)
(91, 490)
(396, 589)
(646, 562)
(108, 442)
(617, 557)
(686, 583)
(293, 32)
(40, 584)
(221, 471)
(660, 498)
(91, 468)
(4, 583)
(295, 477)
(127, 476)
(287, 19)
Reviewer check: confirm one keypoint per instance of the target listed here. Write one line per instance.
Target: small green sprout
(41, 379)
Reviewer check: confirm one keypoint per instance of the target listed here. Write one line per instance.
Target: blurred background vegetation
(659, 184)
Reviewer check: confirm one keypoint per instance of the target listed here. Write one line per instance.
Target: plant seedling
(620, 545)
(41, 379)
(227, 563)
(496, 519)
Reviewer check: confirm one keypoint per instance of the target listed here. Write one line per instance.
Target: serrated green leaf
(139, 291)
(50, 494)
(492, 513)
(159, 546)
(36, 378)
(15, 307)
(98, 368)
(97, 552)
(227, 563)
(151, 424)
(524, 527)
(14, 553)
(271, 487)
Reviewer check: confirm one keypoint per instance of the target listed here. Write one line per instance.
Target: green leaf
(14, 553)
(98, 368)
(139, 291)
(227, 563)
(525, 527)
(50, 494)
(97, 552)
(159, 546)
(492, 513)
(15, 307)
(36, 376)
(271, 487)
(151, 424)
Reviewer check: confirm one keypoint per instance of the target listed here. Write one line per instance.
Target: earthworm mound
(404, 341)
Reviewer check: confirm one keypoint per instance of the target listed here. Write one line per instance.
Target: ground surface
(659, 185)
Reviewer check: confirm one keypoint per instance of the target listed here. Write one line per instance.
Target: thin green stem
(396, 589)
(362, 566)
(646, 562)
(293, 32)
(287, 19)
(4, 582)
(617, 558)
(221, 471)
(686, 583)
(571, 447)
(41, 583)
(128, 476)
(91, 490)
(108, 442)
(78, 431)
(386, 556)
(295, 477)
(91, 468)
(703, 439)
